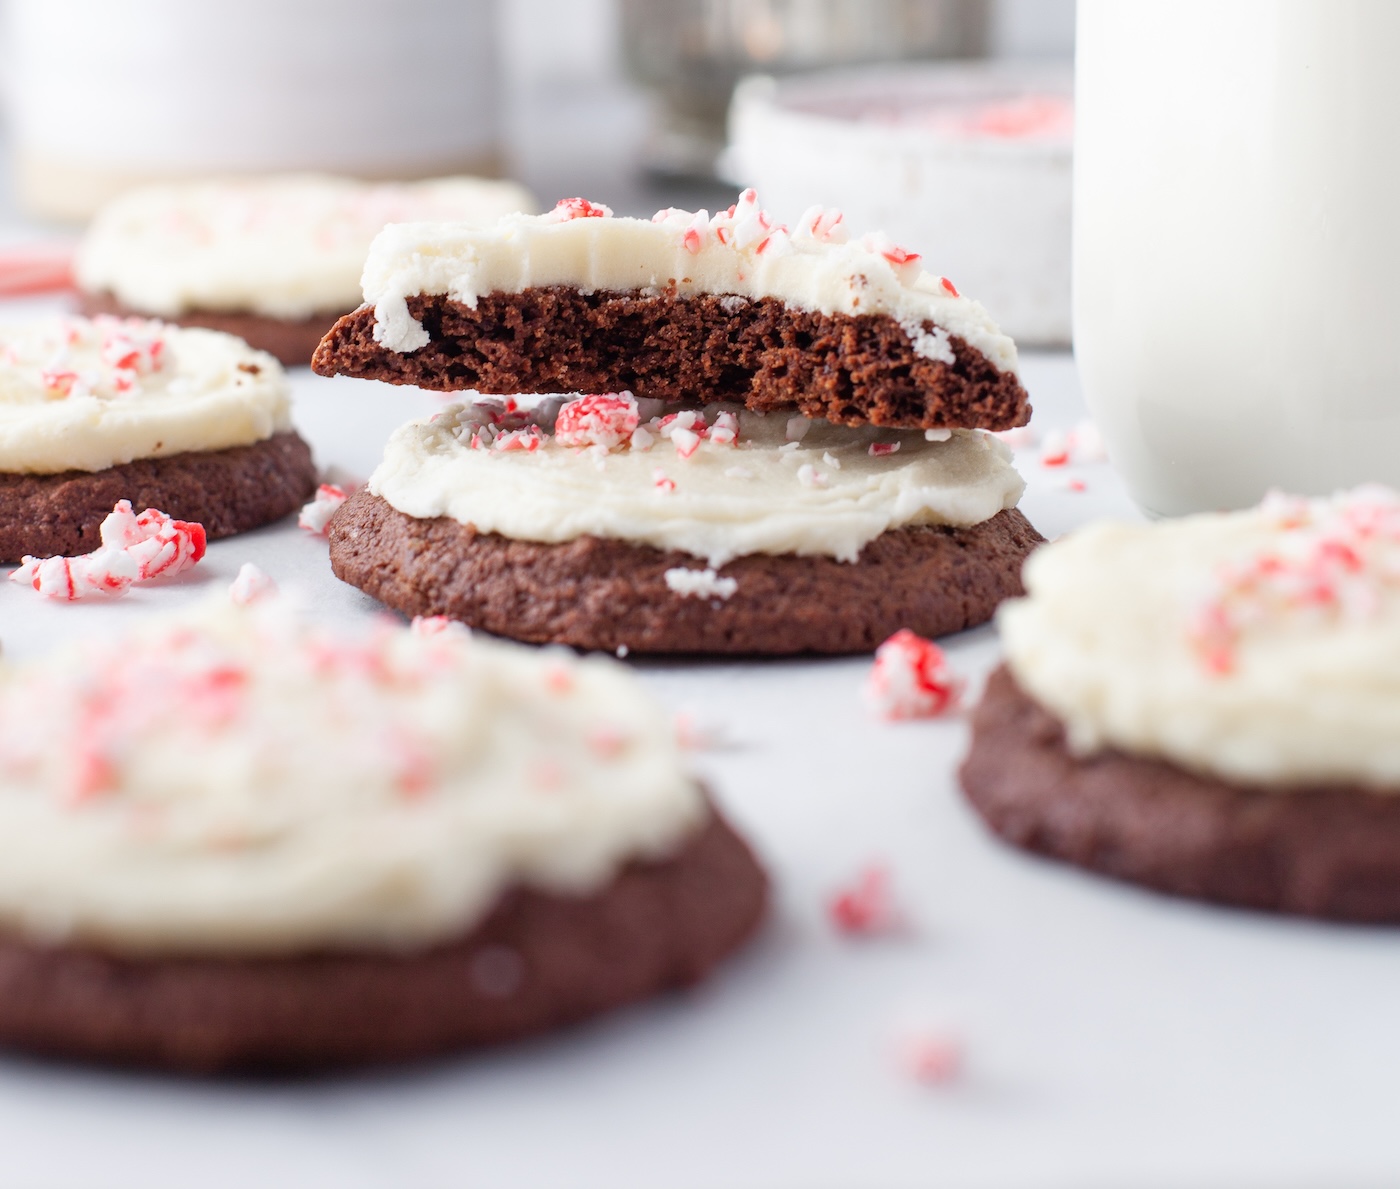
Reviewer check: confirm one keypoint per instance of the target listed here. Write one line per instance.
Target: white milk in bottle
(1237, 244)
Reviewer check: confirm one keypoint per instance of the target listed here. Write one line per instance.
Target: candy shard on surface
(315, 516)
(134, 549)
(911, 679)
(251, 585)
(933, 1058)
(866, 907)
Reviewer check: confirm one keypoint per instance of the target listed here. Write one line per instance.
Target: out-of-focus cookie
(231, 841)
(1208, 707)
(94, 411)
(273, 260)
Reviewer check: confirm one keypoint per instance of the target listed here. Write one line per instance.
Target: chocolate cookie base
(1322, 852)
(227, 491)
(849, 370)
(609, 594)
(538, 961)
(293, 341)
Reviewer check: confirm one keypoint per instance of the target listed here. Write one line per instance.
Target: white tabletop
(1112, 1037)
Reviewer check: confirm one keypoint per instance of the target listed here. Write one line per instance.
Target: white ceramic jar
(103, 94)
(1237, 244)
(967, 163)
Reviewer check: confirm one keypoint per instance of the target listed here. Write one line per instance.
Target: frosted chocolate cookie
(604, 523)
(98, 411)
(231, 841)
(272, 260)
(1208, 707)
(93, 411)
(735, 308)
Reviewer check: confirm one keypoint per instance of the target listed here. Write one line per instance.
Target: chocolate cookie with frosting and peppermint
(95, 411)
(1208, 707)
(230, 840)
(783, 449)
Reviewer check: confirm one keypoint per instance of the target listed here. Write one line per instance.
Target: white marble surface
(1113, 1037)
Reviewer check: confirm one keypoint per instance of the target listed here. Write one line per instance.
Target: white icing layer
(87, 394)
(232, 780)
(285, 246)
(823, 494)
(742, 252)
(1262, 646)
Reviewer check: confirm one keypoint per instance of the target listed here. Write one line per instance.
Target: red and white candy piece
(134, 549)
(931, 1058)
(315, 516)
(866, 907)
(567, 209)
(911, 679)
(606, 420)
(251, 586)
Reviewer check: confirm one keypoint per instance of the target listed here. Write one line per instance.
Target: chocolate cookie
(291, 341)
(850, 370)
(608, 594)
(1331, 851)
(227, 491)
(538, 961)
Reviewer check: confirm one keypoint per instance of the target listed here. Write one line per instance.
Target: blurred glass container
(967, 163)
(101, 95)
(691, 53)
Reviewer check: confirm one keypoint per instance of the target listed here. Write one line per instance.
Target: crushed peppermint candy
(606, 420)
(251, 586)
(567, 209)
(931, 1057)
(1079, 446)
(882, 449)
(866, 907)
(1329, 559)
(315, 516)
(660, 481)
(703, 584)
(134, 549)
(911, 679)
(103, 357)
(809, 476)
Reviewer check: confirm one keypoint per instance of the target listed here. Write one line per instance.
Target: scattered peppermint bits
(1080, 446)
(797, 428)
(251, 586)
(705, 584)
(1329, 560)
(1023, 437)
(103, 357)
(660, 481)
(931, 1058)
(567, 209)
(866, 907)
(608, 421)
(911, 679)
(809, 476)
(134, 549)
(315, 516)
(883, 449)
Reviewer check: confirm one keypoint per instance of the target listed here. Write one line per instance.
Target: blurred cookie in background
(274, 260)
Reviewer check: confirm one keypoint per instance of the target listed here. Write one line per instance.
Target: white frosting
(700, 584)
(742, 252)
(285, 246)
(823, 494)
(87, 394)
(232, 780)
(1262, 646)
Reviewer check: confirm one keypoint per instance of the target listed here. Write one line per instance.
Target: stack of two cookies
(781, 453)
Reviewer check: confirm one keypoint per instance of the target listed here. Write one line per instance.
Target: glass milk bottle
(1237, 244)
